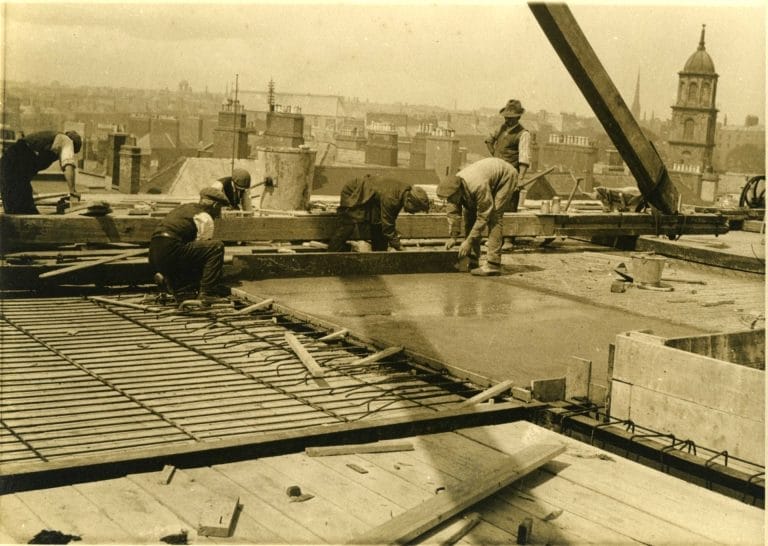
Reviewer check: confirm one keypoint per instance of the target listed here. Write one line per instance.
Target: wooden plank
(128, 505)
(746, 348)
(19, 521)
(30, 231)
(573, 48)
(64, 509)
(91, 263)
(376, 357)
(219, 516)
(414, 522)
(751, 264)
(262, 520)
(548, 390)
(326, 451)
(709, 427)
(307, 359)
(255, 307)
(621, 481)
(720, 385)
(577, 378)
(454, 532)
(320, 264)
(326, 516)
(333, 336)
(489, 393)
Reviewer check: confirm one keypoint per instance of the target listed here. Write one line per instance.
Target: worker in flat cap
(375, 202)
(188, 261)
(236, 187)
(478, 194)
(512, 143)
(31, 154)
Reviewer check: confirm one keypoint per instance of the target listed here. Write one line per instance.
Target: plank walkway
(584, 496)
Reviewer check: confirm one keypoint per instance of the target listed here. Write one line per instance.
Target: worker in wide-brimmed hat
(374, 203)
(184, 254)
(478, 195)
(512, 143)
(236, 187)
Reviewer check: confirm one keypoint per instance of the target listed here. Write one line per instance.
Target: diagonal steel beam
(573, 48)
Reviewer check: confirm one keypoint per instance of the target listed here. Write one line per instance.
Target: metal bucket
(647, 269)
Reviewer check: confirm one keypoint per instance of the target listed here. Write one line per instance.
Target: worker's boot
(216, 294)
(487, 270)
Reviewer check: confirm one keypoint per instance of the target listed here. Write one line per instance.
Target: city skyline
(398, 53)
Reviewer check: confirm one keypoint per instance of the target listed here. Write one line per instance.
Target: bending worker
(375, 202)
(236, 187)
(184, 253)
(479, 193)
(28, 156)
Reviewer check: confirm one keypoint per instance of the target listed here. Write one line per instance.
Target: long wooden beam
(16, 477)
(573, 48)
(31, 231)
(413, 523)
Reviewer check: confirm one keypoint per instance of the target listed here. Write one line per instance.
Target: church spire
(636, 101)
(701, 40)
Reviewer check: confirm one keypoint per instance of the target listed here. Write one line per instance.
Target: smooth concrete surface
(551, 304)
(487, 326)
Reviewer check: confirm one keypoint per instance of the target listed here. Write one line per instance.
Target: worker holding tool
(375, 202)
(479, 193)
(236, 187)
(183, 252)
(29, 155)
(512, 143)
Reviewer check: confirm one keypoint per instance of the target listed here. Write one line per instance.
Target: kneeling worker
(480, 193)
(183, 251)
(376, 202)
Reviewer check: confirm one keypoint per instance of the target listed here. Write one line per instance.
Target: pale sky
(468, 55)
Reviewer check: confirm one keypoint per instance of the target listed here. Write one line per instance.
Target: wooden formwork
(706, 389)
(88, 381)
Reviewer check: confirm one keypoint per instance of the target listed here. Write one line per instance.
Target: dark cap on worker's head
(76, 140)
(512, 109)
(214, 195)
(448, 186)
(416, 200)
(240, 178)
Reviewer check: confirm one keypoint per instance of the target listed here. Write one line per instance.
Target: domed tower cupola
(694, 116)
(700, 62)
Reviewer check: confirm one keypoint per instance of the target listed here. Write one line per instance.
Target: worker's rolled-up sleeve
(66, 150)
(204, 225)
(524, 148)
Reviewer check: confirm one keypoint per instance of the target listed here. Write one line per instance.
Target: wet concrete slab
(487, 326)
(550, 305)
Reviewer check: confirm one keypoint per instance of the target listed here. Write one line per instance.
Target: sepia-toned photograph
(403, 272)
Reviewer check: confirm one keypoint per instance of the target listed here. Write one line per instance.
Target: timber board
(26, 232)
(583, 496)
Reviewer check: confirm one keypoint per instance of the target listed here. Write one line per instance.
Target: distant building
(694, 116)
(740, 148)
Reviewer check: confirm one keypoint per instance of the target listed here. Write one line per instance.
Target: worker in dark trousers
(512, 143)
(183, 252)
(476, 198)
(375, 202)
(29, 155)
(235, 187)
